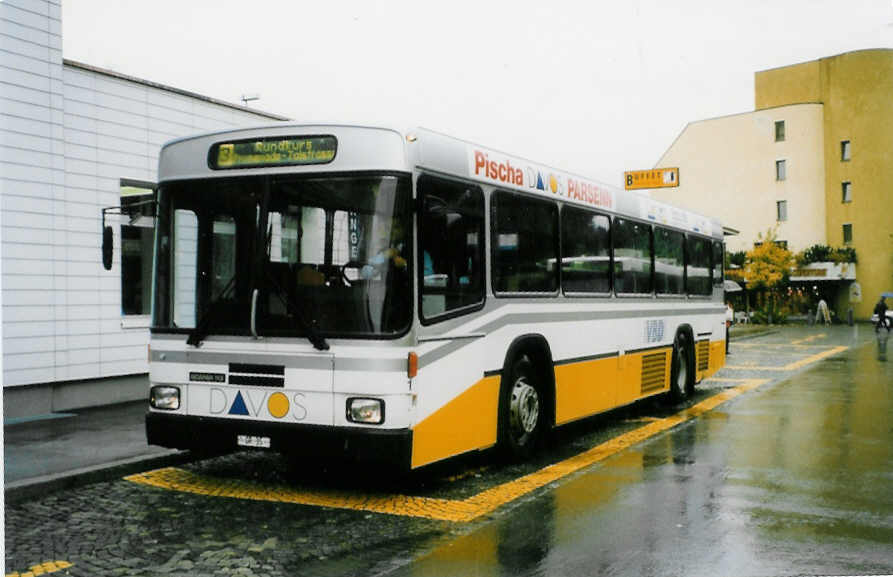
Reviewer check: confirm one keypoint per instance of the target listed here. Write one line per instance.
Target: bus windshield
(284, 256)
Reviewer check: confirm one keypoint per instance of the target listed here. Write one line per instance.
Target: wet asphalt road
(793, 477)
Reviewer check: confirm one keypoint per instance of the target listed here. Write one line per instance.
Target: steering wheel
(355, 264)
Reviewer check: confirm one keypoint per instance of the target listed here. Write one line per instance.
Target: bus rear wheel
(521, 409)
(682, 378)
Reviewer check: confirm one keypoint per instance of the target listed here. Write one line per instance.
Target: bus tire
(522, 409)
(682, 377)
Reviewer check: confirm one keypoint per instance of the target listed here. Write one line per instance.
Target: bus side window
(669, 261)
(698, 266)
(718, 263)
(524, 241)
(586, 252)
(451, 235)
(632, 257)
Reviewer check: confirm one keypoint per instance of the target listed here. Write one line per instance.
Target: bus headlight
(165, 397)
(369, 411)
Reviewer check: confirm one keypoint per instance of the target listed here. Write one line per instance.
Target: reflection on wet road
(780, 465)
(794, 478)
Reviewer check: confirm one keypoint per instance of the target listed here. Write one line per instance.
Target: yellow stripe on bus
(585, 388)
(582, 389)
(466, 423)
(717, 357)
(590, 387)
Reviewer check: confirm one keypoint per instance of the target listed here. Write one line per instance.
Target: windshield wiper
(200, 331)
(319, 343)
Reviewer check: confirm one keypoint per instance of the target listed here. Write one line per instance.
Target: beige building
(813, 159)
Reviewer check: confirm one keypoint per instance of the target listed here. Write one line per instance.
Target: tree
(769, 267)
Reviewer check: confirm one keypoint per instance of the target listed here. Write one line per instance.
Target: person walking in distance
(880, 309)
(730, 318)
(822, 313)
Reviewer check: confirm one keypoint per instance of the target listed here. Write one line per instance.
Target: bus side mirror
(107, 247)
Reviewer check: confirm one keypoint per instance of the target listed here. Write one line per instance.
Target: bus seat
(309, 276)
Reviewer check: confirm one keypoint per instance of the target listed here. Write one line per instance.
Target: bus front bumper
(384, 446)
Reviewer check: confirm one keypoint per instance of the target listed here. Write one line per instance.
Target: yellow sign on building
(653, 178)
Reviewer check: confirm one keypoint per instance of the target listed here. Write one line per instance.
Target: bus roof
(452, 156)
(378, 148)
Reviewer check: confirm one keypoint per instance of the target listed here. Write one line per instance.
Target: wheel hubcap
(525, 407)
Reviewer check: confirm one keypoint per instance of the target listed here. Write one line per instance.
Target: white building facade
(75, 139)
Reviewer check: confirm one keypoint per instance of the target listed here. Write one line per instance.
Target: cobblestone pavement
(122, 527)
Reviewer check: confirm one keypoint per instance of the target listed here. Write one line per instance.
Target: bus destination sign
(273, 151)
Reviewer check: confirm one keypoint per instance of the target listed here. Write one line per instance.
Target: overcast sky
(591, 87)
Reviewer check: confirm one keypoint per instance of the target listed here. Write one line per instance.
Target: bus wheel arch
(526, 396)
(682, 366)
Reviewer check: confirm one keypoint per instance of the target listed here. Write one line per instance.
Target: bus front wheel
(682, 382)
(521, 409)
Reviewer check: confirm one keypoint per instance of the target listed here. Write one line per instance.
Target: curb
(753, 335)
(26, 489)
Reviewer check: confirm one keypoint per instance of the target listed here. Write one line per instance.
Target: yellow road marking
(795, 365)
(187, 482)
(642, 420)
(771, 345)
(42, 569)
(427, 507)
(814, 358)
(753, 368)
(809, 339)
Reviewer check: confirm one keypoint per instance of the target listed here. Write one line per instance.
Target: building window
(846, 190)
(137, 237)
(781, 169)
(844, 150)
(779, 131)
(847, 233)
(781, 210)
(781, 244)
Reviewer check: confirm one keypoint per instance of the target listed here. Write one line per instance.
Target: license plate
(252, 441)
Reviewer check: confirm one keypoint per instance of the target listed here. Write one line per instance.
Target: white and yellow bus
(404, 296)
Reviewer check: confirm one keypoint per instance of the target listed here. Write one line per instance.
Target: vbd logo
(654, 331)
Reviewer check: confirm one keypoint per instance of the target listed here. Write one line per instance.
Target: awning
(824, 271)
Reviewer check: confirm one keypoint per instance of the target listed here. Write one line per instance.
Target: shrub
(844, 254)
(736, 258)
(824, 253)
